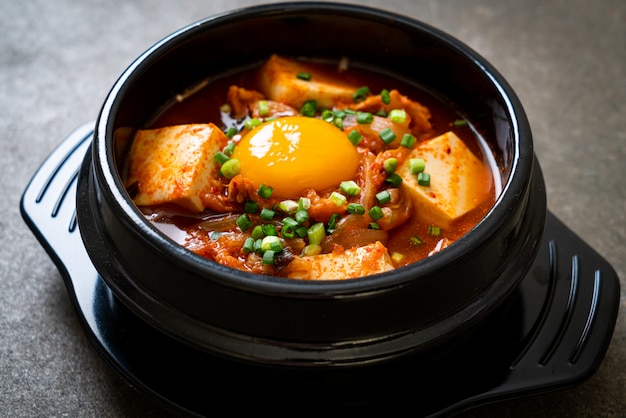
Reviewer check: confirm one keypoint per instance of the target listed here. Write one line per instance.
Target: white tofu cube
(342, 264)
(459, 181)
(175, 164)
(280, 83)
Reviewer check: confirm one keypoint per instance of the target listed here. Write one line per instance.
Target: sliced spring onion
(288, 206)
(407, 141)
(290, 223)
(271, 242)
(383, 197)
(304, 203)
(360, 94)
(265, 191)
(397, 115)
(302, 216)
(415, 240)
(337, 198)
(248, 245)
(397, 257)
(244, 222)
(387, 135)
(376, 213)
(220, 158)
(311, 249)
(384, 96)
(364, 118)
(231, 168)
(434, 231)
(328, 115)
(257, 246)
(338, 122)
(316, 233)
(423, 179)
(304, 76)
(230, 132)
(257, 232)
(394, 179)
(374, 225)
(459, 122)
(390, 165)
(268, 257)
(355, 137)
(269, 229)
(301, 231)
(309, 108)
(251, 207)
(267, 214)
(252, 123)
(332, 222)
(264, 108)
(350, 187)
(356, 209)
(416, 165)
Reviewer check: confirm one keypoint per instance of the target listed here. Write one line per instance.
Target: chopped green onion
(251, 207)
(257, 246)
(257, 232)
(415, 240)
(337, 198)
(243, 222)
(397, 257)
(268, 257)
(301, 231)
(397, 115)
(381, 113)
(423, 179)
(288, 232)
(264, 109)
(220, 158)
(309, 108)
(434, 231)
(364, 118)
(376, 213)
(302, 216)
(265, 191)
(316, 233)
(374, 225)
(328, 115)
(248, 245)
(304, 76)
(390, 165)
(229, 149)
(231, 168)
(407, 141)
(356, 209)
(269, 229)
(355, 137)
(416, 165)
(383, 197)
(304, 203)
(290, 222)
(271, 242)
(459, 122)
(360, 94)
(384, 96)
(387, 135)
(311, 249)
(394, 179)
(230, 132)
(252, 123)
(350, 188)
(340, 113)
(288, 206)
(267, 214)
(332, 222)
(338, 122)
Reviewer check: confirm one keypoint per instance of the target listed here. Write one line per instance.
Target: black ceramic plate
(551, 334)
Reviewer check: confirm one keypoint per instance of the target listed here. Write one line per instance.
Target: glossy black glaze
(284, 322)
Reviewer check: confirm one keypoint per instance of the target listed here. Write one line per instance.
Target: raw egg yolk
(295, 153)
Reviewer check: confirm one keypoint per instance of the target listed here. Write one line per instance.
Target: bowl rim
(518, 179)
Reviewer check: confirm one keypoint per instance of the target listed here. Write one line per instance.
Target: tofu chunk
(459, 181)
(342, 264)
(280, 83)
(175, 164)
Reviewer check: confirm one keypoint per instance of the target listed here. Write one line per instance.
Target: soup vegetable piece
(307, 170)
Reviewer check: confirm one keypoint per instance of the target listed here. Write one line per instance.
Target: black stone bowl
(411, 311)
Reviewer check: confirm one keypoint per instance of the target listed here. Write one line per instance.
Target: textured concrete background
(565, 58)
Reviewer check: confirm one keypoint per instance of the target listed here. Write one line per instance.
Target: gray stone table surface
(566, 59)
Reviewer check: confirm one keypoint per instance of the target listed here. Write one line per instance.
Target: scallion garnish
(356, 209)
(459, 122)
(251, 123)
(311, 249)
(328, 115)
(269, 230)
(267, 214)
(416, 165)
(265, 191)
(257, 232)
(268, 257)
(350, 187)
(383, 197)
(304, 76)
(390, 165)
(394, 179)
(302, 216)
(251, 207)
(309, 108)
(434, 231)
(355, 137)
(271, 242)
(415, 240)
(332, 222)
(316, 233)
(230, 168)
(397, 115)
(374, 225)
(243, 222)
(263, 107)
(290, 222)
(248, 245)
(384, 96)
(230, 132)
(288, 206)
(360, 94)
(364, 118)
(407, 141)
(387, 135)
(376, 213)
(337, 198)
(304, 203)
(220, 158)
(423, 179)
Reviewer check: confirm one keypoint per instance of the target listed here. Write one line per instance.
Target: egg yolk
(295, 153)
